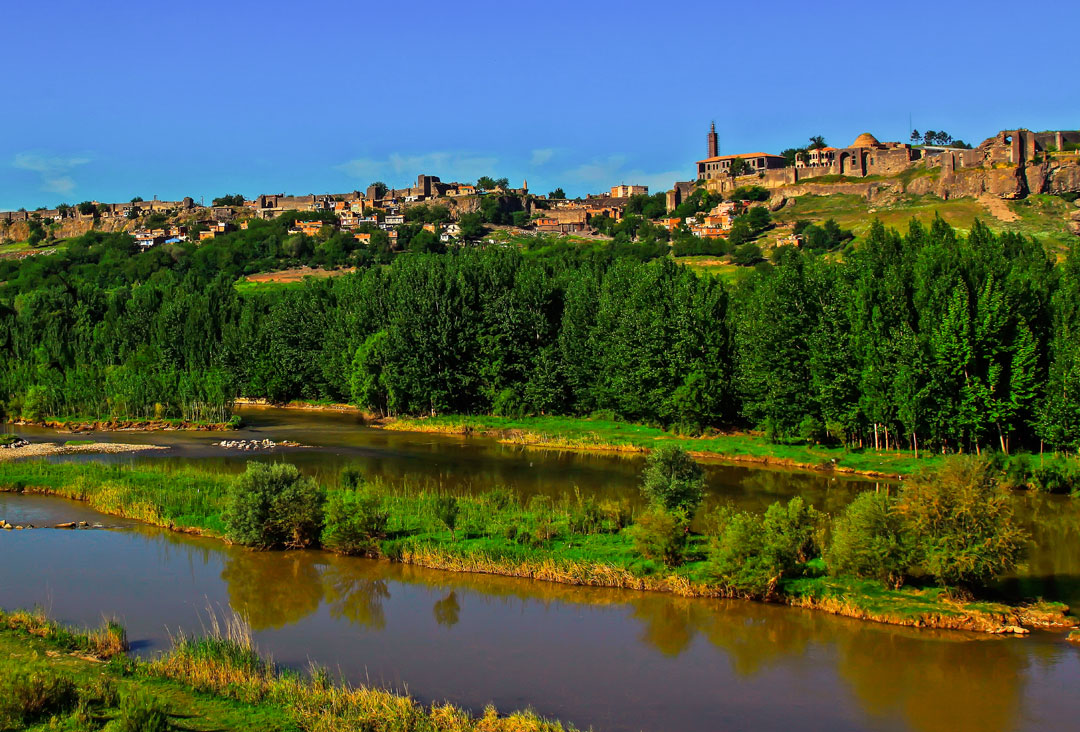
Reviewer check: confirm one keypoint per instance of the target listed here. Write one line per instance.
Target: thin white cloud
(362, 168)
(54, 170)
(446, 165)
(597, 172)
(60, 184)
(542, 156)
(604, 173)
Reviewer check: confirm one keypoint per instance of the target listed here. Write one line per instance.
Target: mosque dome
(866, 140)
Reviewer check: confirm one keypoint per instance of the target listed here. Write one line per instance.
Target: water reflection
(447, 611)
(936, 686)
(355, 596)
(272, 589)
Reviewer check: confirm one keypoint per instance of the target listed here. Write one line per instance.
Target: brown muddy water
(613, 660)
(609, 659)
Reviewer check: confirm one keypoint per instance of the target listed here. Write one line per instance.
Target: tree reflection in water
(446, 610)
(669, 627)
(272, 589)
(937, 683)
(355, 593)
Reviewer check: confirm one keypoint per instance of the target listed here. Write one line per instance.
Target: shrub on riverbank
(869, 540)
(27, 697)
(963, 524)
(274, 506)
(660, 534)
(955, 526)
(355, 522)
(672, 480)
(752, 552)
(1048, 474)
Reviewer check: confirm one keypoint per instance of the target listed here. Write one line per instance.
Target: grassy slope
(188, 500)
(244, 285)
(14, 247)
(1041, 216)
(18, 247)
(580, 433)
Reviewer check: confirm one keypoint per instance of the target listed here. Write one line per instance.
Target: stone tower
(714, 147)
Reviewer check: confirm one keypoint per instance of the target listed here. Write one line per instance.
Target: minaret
(714, 147)
(525, 184)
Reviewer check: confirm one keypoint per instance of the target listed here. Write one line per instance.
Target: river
(613, 660)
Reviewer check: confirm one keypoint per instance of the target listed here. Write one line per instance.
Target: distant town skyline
(202, 101)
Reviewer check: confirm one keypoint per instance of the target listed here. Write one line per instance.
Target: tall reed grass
(225, 662)
(107, 641)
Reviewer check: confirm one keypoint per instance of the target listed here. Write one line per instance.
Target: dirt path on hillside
(998, 208)
(298, 274)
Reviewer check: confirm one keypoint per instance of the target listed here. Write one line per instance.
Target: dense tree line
(924, 340)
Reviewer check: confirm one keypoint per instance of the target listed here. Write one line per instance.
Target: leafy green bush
(660, 534)
(352, 478)
(869, 540)
(355, 522)
(746, 254)
(752, 552)
(27, 696)
(141, 713)
(812, 430)
(749, 193)
(498, 499)
(963, 523)
(447, 510)
(587, 517)
(673, 481)
(271, 506)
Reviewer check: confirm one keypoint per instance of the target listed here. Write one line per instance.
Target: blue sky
(107, 101)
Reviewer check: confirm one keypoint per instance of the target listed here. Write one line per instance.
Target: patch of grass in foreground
(586, 433)
(214, 683)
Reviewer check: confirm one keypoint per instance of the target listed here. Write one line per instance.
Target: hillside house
(720, 165)
(308, 228)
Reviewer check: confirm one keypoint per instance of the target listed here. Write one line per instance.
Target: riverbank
(574, 541)
(325, 406)
(47, 449)
(77, 424)
(600, 435)
(570, 433)
(217, 682)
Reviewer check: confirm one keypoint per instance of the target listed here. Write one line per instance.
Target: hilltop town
(736, 205)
